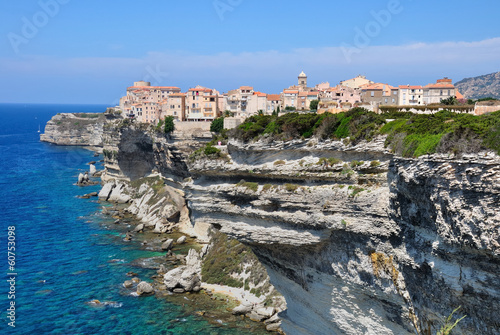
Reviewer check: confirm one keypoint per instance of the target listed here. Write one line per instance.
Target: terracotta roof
(440, 85)
(200, 89)
(246, 88)
(273, 97)
(410, 87)
(260, 94)
(290, 91)
(459, 95)
(177, 94)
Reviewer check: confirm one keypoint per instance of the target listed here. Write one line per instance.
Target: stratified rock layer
(370, 245)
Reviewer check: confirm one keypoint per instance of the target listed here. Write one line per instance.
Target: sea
(64, 253)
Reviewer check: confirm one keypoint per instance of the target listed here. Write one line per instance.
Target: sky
(70, 51)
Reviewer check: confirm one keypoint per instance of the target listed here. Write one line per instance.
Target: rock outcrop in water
(357, 241)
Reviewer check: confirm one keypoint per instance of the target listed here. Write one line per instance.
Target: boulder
(254, 316)
(93, 170)
(242, 309)
(181, 240)
(144, 288)
(128, 284)
(139, 228)
(266, 312)
(167, 245)
(273, 327)
(182, 277)
(273, 319)
(106, 191)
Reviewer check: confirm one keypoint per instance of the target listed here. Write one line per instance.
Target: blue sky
(69, 51)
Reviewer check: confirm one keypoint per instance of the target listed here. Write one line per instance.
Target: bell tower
(302, 80)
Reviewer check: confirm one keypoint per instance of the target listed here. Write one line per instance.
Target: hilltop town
(149, 104)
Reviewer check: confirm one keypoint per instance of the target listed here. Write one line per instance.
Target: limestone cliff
(75, 129)
(357, 241)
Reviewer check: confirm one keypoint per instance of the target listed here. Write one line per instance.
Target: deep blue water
(63, 254)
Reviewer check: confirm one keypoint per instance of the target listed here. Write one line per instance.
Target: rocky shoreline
(177, 272)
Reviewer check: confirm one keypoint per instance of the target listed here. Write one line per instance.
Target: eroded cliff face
(357, 241)
(371, 244)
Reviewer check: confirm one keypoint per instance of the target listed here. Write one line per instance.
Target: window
(373, 93)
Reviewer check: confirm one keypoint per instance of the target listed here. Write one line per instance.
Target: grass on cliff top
(408, 135)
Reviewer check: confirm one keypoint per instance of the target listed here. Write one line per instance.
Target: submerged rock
(144, 288)
(181, 240)
(167, 245)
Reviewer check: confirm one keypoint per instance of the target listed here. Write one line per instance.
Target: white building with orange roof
(202, 104)
(442, 89)
(410, 95)
(289, 98)
(273, 102)
(257, 102)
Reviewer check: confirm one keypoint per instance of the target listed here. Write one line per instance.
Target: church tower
(302, 80)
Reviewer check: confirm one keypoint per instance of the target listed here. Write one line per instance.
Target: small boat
(38, 128)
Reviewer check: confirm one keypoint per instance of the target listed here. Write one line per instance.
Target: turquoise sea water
(64, 257)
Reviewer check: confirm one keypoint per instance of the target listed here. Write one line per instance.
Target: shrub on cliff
(169, 125)
(217, 125)
(409, 135)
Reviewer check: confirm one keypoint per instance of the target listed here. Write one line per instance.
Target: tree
(169, 124)
(260, 112)
(449, 101)
(228, 113)
(217, 125)
(314, 105)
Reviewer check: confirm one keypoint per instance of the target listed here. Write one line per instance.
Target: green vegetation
(409, 135)
(328, 161)
(249, 185)
(448, 325)
(266, 187)
(356, 190)
(314, 105)
(279, 162)
(374, 164)
(354, 164)
(225, 258)
(169, 124)
(208, 151)
(217, 125)
(88, 115)
(291, 187)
